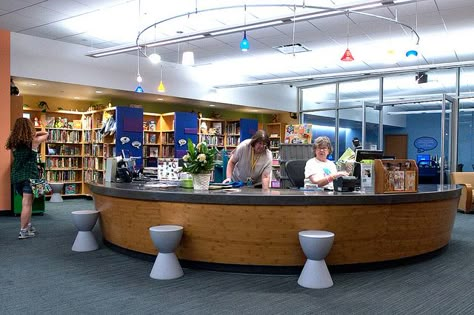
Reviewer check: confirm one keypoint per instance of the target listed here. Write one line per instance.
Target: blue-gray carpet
(43, 276)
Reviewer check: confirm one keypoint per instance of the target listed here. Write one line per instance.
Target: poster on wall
(298, 134)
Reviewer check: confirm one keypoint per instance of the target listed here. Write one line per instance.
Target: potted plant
(199, 161)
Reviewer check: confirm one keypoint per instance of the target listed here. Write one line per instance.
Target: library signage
(423, 144)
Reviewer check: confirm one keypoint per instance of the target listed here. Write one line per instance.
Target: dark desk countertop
(252, 196)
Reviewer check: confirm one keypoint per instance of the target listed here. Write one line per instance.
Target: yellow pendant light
(161, 86)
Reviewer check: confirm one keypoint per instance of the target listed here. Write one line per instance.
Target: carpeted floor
(43, 276)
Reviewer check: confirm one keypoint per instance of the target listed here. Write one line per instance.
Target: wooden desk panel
(268, 235)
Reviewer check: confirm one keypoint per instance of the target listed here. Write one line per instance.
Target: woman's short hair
(322, 141)
(260, 136)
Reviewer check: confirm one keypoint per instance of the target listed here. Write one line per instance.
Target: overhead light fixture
(188, 58)
(154, 58)
(139, 88)
(412, 53)
(318, 12)
(161, 86)
(244, 44)
(347, 54)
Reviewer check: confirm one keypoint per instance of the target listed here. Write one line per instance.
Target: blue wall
(429, 125)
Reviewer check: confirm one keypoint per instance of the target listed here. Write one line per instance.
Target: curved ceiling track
(324, 12)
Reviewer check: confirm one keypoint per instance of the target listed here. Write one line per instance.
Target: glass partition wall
(434, 109)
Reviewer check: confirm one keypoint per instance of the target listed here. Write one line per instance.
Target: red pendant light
(347, 56)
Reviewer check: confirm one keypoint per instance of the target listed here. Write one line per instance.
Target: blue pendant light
(244, 44)
(411, 53)
(139, 89)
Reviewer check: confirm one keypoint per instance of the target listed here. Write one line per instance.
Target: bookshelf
(167, 138)
(151, 139)
(63, 149)
(275, 132)
(94, 148)
(211, 131)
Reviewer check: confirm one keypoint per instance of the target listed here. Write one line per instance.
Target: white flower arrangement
(199, 158)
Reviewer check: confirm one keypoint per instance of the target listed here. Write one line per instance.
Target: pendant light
(244, 44)
(412, 53)
(161, 86)
(188, 58)
(347, 54)
(154, 57)
(139, 88)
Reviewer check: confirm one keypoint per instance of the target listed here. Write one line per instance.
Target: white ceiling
(444, 27)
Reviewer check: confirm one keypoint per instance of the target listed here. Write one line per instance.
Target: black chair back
(295, 172)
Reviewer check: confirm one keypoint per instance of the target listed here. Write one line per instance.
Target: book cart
(395, 176)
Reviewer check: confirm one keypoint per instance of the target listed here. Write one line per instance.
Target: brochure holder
(395, 176)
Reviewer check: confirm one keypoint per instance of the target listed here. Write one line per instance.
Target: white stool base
(85, 242)
(166, 267)
(56, 197)
(315, 275)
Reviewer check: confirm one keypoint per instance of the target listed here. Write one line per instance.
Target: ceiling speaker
(421, 77)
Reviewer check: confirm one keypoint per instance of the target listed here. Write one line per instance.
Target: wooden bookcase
(63, 151)
(151, 139)
(211, 131)
(167, 131)
(395, 176)
(96, 145)
(276, 133)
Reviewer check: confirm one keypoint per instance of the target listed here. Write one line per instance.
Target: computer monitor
(422, 157)
(362, 155)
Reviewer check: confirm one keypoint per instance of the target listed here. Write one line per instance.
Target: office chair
(295, 172)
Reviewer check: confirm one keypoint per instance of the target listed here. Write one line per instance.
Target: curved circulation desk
(259, 228)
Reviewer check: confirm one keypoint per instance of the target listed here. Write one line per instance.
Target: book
(70, 189)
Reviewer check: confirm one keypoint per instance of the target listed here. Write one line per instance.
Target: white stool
(84, 220)
(57, 189)
(166, 238)
(316, 246)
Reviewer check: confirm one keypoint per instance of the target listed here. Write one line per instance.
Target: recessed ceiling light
(211, 105)
(159, 99)
(99, 92)
(32, 84)
(76, 97)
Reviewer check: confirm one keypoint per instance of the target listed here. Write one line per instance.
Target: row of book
(69, 136)
(213, 140)
(63, 162)
(62, 176)
(93, 163)
(233, 140)
(63, 149)
(233, 128)
(93, 176)
(94, 150)
(92, 136)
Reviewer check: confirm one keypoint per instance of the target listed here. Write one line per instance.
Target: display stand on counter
(395, 176)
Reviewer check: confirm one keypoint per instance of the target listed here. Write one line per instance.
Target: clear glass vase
(201, 181)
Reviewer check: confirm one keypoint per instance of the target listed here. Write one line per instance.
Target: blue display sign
(423, 144)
